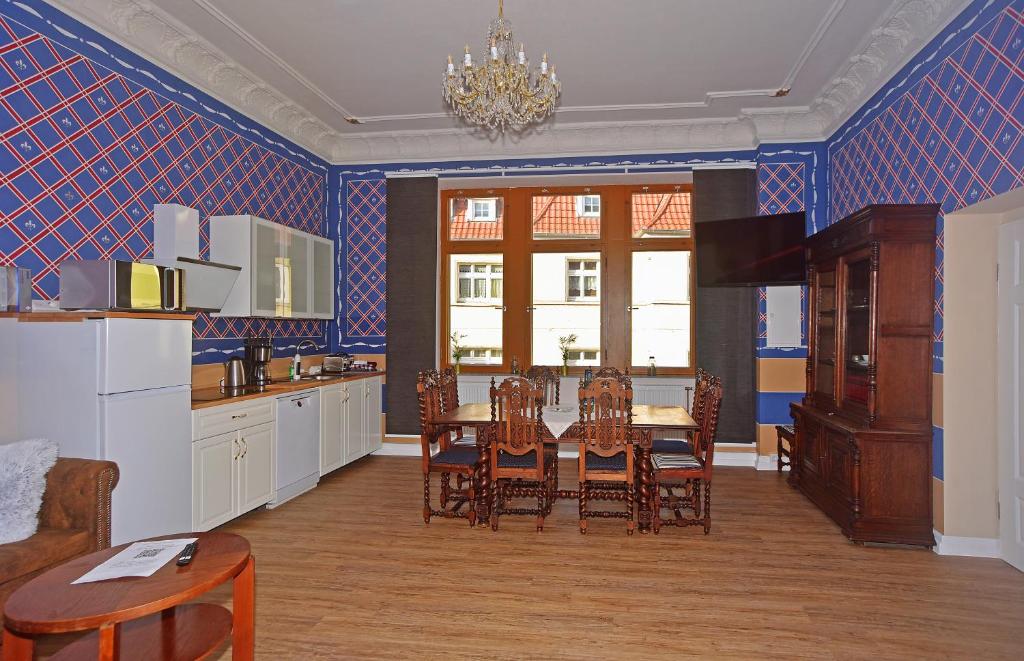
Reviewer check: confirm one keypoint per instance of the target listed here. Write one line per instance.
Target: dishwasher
(298, 445)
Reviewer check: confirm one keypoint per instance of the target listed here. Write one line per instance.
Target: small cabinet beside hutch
(864, 428)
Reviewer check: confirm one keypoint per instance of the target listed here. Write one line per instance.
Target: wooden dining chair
(549, 380)
(449, 380)
(459, 460)
(519, 466)
(611, 372)
(692, 470)
(685, 445)
(606, 463)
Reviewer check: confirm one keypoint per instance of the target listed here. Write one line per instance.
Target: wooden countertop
(206, 397)
(82, 315)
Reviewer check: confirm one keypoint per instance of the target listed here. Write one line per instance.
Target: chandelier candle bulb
(451, 66)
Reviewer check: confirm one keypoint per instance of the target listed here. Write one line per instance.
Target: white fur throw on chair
(23, 469)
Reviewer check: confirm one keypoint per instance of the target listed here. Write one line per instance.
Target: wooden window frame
(616, 246)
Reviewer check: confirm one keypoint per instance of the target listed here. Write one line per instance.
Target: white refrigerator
(116, 389)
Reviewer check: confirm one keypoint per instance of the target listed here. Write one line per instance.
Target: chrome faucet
(303, 343)
(298, 356)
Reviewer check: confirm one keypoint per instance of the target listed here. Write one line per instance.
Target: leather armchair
(74, 520)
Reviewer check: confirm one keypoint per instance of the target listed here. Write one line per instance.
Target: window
(581, 279)
(660, 310)
(588, 205)
(475, 218)
(610, 265)
(475, 308)
(483, 210)
(583, 357)
(480, 283)
(560, 305)
(566, 217)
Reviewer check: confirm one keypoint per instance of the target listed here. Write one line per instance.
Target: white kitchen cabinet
(286, 273)
(332, 427)
(355, 427)
(233, 469)
(323, 278)
(372, 437)
(255, 467)
(213, 490)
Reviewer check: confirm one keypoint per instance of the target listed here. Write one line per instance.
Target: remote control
(186, 555)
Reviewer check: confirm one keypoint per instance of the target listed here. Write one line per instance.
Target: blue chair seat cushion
(613, 463)
(460, 456)
(675, 461)
(667, 445)
(528, 460)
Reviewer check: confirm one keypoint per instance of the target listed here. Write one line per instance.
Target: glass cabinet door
(295, 271)
(857, 329)
(266, 278)
(825, 333)
(323, 279)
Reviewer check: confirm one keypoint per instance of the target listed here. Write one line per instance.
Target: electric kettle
(234, 374)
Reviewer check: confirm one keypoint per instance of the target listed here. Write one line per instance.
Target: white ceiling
(680, 73)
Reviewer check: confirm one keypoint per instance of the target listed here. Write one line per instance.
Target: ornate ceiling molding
(156, 35)
(153, 33)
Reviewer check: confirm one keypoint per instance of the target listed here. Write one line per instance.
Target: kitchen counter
(206, 397)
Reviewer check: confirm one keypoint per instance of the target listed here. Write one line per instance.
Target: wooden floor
(350, 571)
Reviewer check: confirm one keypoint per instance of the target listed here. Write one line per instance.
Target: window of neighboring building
(480, 282)
(481, 356)
(583, 357)
(588, 205)
(483, 210)
(581, 279)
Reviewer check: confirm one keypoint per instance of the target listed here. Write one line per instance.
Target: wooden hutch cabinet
(864, 428)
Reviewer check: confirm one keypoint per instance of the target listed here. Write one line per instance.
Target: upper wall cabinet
(286, 273)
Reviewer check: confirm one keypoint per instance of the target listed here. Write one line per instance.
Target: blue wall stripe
(773, 407)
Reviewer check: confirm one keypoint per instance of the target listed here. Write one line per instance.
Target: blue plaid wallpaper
(946, 129)
(88, 146)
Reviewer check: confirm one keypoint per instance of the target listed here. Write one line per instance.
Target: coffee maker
(258, 352)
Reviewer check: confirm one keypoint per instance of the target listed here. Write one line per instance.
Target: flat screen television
(756, 251)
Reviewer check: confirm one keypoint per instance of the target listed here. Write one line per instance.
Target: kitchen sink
(317, 377)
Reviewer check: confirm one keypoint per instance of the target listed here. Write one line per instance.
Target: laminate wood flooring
(349, 570)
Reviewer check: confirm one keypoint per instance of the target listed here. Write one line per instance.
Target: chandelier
(498, 93)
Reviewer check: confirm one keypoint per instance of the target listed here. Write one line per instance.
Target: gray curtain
(726, 316)
(411, 295)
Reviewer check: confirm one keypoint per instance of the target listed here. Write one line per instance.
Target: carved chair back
(428, 393)
(548, 380)
(516, 421)
(611, 372)
(448, 378)
(704, 447)
(606, 415)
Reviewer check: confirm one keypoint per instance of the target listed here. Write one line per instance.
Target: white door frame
(1010, 406)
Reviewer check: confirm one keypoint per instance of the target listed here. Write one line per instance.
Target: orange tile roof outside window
(558, 216)
(657, 214)
(462, 227)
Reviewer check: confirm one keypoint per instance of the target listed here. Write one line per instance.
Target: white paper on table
(559, 418)
(138, 559)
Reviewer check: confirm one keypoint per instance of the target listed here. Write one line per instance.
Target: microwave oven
(115, 284)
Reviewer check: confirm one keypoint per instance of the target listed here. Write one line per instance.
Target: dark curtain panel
(726, 322)
(411, 295)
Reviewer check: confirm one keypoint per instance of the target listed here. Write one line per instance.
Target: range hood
(176, 245)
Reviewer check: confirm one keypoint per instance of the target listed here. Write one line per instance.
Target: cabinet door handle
(245, 449)
(237, 449)
(239, 415)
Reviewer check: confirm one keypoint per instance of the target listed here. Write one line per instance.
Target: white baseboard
(974, 547)
(399, 450)
(769, 462)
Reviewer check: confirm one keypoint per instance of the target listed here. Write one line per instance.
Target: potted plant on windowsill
(564, 344)
(457, 349)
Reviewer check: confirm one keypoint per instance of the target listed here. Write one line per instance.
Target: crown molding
(162, 39)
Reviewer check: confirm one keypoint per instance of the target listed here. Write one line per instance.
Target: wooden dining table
(647, 418)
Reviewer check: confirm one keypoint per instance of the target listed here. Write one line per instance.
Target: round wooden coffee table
(147, 617)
